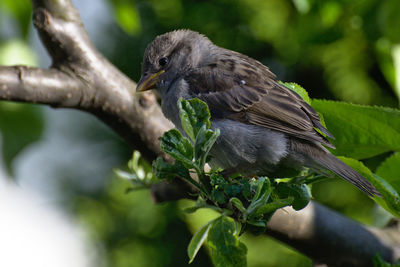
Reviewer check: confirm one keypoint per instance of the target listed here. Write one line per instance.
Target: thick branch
(108, 94)
(328, 237)
(81, 78)
(34, 85)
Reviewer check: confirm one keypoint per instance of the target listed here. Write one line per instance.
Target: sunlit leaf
(303, 6)
(299, 90)
(330, 12)
(201, 204)
(128, 18)
(262, 185)
(16, 52)
(390, 199)
(126, 175)
(361, 131)
(396, 63)
(238, 204)
(390, 170)
(226, 249)
(197, 240)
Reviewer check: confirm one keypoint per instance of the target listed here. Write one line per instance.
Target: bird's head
(169, 57)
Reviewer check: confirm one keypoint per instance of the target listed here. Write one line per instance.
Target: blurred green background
(344, 50)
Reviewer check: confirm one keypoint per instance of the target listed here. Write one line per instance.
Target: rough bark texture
(83, 79)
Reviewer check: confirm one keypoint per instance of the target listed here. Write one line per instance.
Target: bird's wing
(242, 89)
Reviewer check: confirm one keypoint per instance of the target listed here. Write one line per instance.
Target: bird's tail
(337, 166)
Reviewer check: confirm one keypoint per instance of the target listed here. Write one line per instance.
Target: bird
(264, 126)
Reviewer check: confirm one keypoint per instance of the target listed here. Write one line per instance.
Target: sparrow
(264, 126)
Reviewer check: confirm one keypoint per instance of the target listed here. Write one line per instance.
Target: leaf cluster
(247, 203)
(139, 173)
(251, 201)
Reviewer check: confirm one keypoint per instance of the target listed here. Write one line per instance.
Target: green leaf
(361, 131)
(299, 90)
(179, 147)
(192, 209)
(390, 170)
(390, 20)
(273, 206)
(218, 196)
(133, 164)
(126, 175)
(233, 189)
(261, 224)
(387, 55)
(223, 241)
(262, 195)
(193, 113)
(205, 139)
(262, 185)
(245, 188)
(380, 262)
(238, 204)
(197, 240)
(217, 179)
(390, 198)
(202, 204)
(164, 170)
(302, 6)
(299, 192)
(128, 18)
(396, 63)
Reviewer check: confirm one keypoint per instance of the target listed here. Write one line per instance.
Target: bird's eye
(163, 61)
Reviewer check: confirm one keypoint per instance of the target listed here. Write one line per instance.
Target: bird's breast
(169, 105)
(241, 146)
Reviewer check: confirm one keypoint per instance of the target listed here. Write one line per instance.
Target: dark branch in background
(81, 78)
(319, 233)
(322, 234)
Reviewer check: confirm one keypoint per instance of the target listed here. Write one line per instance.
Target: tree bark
(81, 78)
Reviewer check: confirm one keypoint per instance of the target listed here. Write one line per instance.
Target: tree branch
(81, 78)
(35, 85)
(329, 237)
(109, 94)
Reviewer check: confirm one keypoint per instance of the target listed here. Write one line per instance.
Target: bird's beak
(148, 81)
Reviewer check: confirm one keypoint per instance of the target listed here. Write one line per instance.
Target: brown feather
(243, 89)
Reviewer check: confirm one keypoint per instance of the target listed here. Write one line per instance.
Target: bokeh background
(343, 50)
